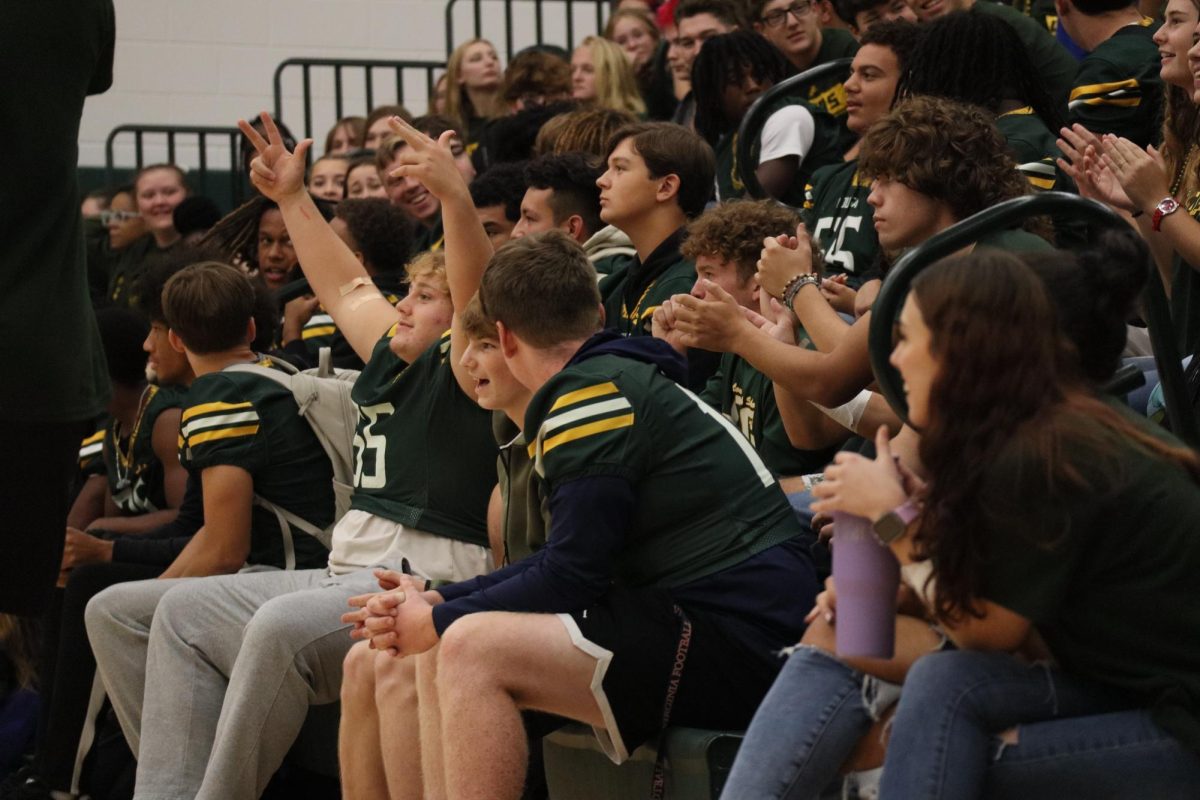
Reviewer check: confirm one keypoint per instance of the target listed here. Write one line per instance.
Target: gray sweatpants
(212, 678)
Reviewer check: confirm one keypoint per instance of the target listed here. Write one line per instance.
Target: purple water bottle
(866, 576)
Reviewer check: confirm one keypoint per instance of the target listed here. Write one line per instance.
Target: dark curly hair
(502, 185)
(726, 60)
(382, 232)
(537, 74)
(734, 231)
(945, 150)
(991, 66)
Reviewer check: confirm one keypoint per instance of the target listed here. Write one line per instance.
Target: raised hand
(427, 161)
(783, 258)
(275, 171)
(862, 486)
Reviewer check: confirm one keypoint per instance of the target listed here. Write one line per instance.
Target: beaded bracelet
(795, 285)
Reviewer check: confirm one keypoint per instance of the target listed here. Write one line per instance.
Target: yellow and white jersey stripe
(579, 415)
(217, 420)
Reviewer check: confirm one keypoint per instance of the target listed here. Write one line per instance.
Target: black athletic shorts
(635, 637)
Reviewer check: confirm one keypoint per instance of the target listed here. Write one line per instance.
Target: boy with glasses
(794, 27)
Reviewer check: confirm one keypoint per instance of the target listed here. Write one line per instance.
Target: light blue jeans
(808, 724)
(1073, 740)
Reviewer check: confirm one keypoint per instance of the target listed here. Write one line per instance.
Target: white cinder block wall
(208, 62)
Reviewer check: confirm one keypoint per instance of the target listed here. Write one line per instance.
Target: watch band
(891, 526)
(1165, 207)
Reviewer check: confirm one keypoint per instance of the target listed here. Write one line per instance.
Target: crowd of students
(604, 403)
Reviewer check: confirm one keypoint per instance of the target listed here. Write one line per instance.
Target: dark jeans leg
(36, 463)
(75, 669)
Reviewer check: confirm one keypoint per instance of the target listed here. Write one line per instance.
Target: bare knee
(358, 673)
(395, 679)
(469, 653)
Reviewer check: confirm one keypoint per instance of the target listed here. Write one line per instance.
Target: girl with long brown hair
(1057, 540)
(1152, 185)
(474, 81)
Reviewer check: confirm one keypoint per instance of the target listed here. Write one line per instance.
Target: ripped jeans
(808, 724)
(1073, 740)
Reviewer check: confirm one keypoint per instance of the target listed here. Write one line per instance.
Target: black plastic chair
(1005, 215)
(756, 117)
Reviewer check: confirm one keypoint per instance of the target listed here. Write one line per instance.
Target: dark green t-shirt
(747, 398)
(52, 55)
(705, 499)
(1050, 59)
(1185, 294)
(320, 331)
(1107, 572)
(1118, 90)
(135, 474)
(839, 217)
(424, 452)
(1014, 241)
(250, 421)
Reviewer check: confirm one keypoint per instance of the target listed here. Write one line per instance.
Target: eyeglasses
(779, 16)
(109, 217)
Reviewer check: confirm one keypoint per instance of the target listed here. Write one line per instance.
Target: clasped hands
(397, 620)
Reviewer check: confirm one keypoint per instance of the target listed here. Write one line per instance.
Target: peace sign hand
(275, 172)
(428, 161)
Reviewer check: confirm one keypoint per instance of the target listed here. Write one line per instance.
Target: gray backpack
(323, 399)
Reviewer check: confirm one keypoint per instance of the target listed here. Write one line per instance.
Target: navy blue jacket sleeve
(589, 520)
(163, 544)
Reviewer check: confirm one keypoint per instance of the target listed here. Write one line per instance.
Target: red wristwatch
(1166, 206)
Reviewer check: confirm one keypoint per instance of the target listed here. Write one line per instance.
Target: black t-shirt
(1106, 569)
(52, 55)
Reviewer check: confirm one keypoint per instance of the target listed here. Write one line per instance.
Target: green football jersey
(248, 421)
(830, 141)
(1118, 90)
(424, 452)
(633, 292)
(1032, 145)
(135, 474)
(841, 220)
(429, 238)
(747, 398)
(1050, 59)
(320, 331)
(1036, 151)
(829, 93)
(91, 451)
(705, 499)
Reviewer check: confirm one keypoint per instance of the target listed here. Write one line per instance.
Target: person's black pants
(37, 460)
(68, 667)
